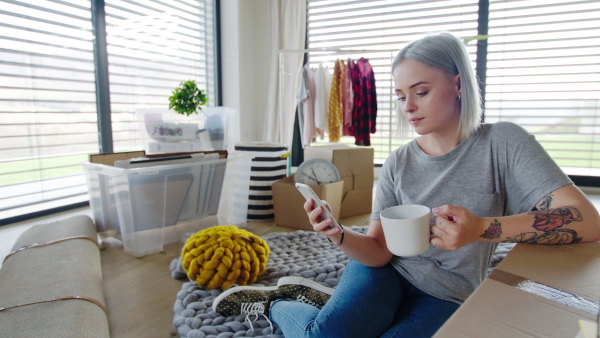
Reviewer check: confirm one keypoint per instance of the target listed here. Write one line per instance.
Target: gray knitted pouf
(301, 253)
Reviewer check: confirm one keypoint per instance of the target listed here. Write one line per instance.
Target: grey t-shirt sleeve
(385, 194)
(531, 173)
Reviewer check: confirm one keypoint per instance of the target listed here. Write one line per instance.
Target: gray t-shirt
(499, 170)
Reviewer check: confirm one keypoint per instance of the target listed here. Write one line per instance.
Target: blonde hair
(447, 52)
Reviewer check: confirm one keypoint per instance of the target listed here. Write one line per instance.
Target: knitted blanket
(301, 253)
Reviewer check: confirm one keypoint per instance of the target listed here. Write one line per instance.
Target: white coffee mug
(406, 229)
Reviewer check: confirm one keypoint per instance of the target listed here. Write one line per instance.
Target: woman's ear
(457, 83)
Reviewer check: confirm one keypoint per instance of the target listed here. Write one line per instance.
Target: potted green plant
(187, 98)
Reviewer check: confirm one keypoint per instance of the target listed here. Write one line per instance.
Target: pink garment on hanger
(347, 99)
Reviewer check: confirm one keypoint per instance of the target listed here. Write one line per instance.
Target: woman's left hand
(455, 227)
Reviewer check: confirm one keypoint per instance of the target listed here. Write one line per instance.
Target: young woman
(487, 183)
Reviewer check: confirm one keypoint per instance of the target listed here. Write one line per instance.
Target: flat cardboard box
(536, 291)
(222, 153)
(356, 168)
(288, 203)
(110, 158)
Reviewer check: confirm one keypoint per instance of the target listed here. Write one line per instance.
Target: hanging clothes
(364, 112)
(335, 102)
(301, 95)
(347, 100)
(322, 81)
(306, 105)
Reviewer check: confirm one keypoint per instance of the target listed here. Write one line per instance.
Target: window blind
(543, 63)
(152, 47)
(48, 114)
(544, 74)
(377, 30)
(47, 102)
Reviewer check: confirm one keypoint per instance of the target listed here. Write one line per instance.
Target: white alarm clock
(316, 171)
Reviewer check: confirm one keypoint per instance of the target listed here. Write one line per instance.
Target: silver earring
(458, 97)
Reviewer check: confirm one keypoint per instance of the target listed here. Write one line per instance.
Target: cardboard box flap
(356, 168)
(364, 181)
(353, 162)
(357, 202)
(357, 182)
(579, 265)
(288, 203)
(560, 296)
(536, 291)
(356, 162)
(110, 158)
(351, 159)
(499, 310)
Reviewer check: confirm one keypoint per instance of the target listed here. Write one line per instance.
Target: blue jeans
(368, 302)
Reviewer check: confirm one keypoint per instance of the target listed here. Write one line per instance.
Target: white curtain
(288, 32)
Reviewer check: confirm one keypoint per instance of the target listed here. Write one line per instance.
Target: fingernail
(435, 210)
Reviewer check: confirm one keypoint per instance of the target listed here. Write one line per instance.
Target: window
(543, 63)
(377, 30)
(543, 73)
(152, 47)
(48, 112)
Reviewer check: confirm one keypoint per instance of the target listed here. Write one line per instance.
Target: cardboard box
(537, 290)
(110, 158)
(356, 166)
(288, 203)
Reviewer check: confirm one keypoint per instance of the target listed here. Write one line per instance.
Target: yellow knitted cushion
(222, 255)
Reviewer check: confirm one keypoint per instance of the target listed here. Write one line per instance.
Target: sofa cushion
(52, 283)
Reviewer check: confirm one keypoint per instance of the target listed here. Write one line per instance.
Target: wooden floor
(140, 292)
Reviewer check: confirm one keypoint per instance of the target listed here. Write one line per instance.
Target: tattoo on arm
(545, 203)
(494, 231)
(559, 236)
(549, 221)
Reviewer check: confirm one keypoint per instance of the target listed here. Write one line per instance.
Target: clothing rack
(333, 52)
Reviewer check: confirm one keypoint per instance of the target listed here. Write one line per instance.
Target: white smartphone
(308, 193)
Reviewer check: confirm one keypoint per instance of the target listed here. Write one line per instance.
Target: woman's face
(428, 97)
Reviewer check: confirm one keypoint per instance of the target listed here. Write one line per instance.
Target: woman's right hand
(314, 216)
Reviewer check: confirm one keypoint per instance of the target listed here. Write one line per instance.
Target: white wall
(245, 58)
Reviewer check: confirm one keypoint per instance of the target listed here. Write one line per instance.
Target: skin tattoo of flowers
(494, 231)
(559, 236)
(548, 220)
(551, 223)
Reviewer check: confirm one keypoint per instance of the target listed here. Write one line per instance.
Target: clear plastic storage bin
(152, 206)
(165, 131)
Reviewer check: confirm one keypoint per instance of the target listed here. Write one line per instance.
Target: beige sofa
(51, 283)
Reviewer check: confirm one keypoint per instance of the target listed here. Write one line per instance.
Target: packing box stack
(356, 168)
(289, 203)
